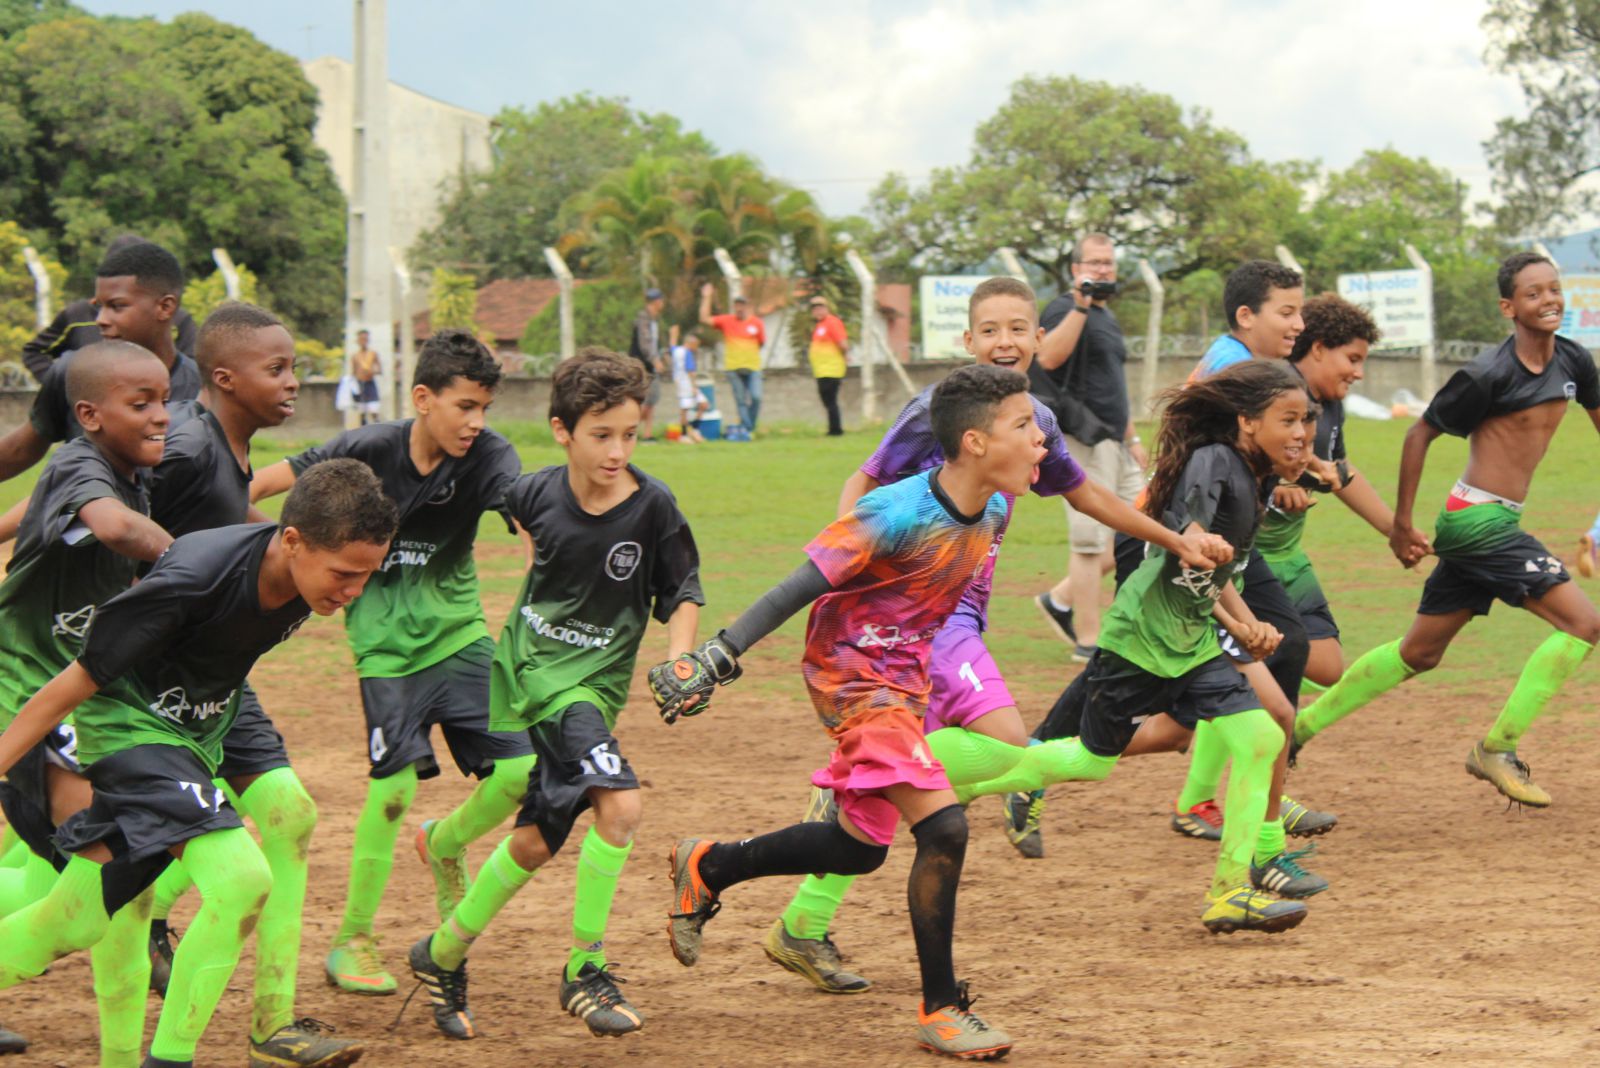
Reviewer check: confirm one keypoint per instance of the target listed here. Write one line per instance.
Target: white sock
(1058, 606)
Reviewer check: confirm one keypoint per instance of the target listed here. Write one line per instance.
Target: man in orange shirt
(828, 344)
(743, 335)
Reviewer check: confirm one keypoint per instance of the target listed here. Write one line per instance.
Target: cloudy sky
(832, 94)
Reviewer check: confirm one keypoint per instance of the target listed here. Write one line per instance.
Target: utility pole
(563, 273)
(406, 364)
(41, 287)
(1152, 329)
(1430, 378)
(230, 273)
(1286, 258)
(368, 269)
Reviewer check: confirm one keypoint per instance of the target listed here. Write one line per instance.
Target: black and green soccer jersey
(170, 654)
(1280, 533)
(59, 572)
(596, 580)
(1497, 383)
(423, 606)
(1161, 618)
(198, 484)
(52, 417)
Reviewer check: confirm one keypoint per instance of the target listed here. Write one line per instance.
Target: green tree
(1540, 161)
(498, 222)
(453, 300)
(201, 296)
(18, 15)
(1064, 156)
(192, 133)
(602, 314)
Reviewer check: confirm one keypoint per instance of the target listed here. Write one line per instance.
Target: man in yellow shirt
(743, 335)
(828, 344)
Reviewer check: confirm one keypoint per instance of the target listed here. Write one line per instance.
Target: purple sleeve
(1058, 473)
(907, 447)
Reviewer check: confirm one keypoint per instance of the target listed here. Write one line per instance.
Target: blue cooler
(711, 425)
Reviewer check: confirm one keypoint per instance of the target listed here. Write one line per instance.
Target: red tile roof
(504, 307)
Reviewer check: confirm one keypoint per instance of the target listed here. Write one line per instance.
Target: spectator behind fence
(828, 345)
(743, 335)
(691, 402)
(644, 345)
(365, 367)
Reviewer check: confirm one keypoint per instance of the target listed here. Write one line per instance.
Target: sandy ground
(1456, 932)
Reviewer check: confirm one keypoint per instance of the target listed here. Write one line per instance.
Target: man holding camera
(1079, 374)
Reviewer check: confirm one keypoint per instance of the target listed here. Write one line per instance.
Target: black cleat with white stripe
(1283, 876)
(593, 997)
(447, 991)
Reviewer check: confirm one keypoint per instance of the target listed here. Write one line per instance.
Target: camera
(1096, 290)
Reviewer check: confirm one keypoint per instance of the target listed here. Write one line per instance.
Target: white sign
(1582, 319)
(1401, 303)
(944, 314)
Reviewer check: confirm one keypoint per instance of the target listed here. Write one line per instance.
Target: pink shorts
(967, 684)
(878, 748)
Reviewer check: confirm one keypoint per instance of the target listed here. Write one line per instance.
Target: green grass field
(754, 506)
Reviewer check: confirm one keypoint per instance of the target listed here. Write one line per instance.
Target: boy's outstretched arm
(12, 520)
(272, 480)
(1409, 544)
(682, 686)
(44, 711)
(1259, 639)
(1194, 547)
(122, 530)
(20, 450)
(681, 626)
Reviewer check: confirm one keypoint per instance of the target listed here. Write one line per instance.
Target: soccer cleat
(821, 807)
(11, 1042)
(1022, 814)
(450, 881)
(304, 1043)
(1586, 556)
(1245, 909)
(1282, 875)
(161, 935)
(959, 1032)
(593, 997)
(1082, 654)
(1508, 774)
(1302, 822)
(1202, 821)
(815, 958)
(693, 901)
(447, 991)
(355, 966)
(1060, 622)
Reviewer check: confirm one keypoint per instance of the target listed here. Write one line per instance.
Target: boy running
(884, 579)
(611, 550)
(156, 689)
(84, 534)
(968, 690)
(138, 288)
(421, 647)
(1223, 439)
(1507, 403)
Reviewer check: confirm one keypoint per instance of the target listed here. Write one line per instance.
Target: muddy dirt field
(1456, 932)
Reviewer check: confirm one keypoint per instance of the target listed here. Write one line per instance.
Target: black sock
(803, 849)
(931, 894)
(1065, 719)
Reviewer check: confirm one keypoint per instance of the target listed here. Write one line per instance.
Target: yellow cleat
(1245, 909)
(1506, 773)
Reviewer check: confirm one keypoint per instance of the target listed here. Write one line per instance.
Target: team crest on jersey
(174, 704)
(73, 624)
(1200, 583)
(623, 560)
(444, 495)
(1569, 390)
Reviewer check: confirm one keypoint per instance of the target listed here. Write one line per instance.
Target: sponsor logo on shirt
(879, 636)
(410, 553)
(573, 632)
(623, 560)
(174, 704)
(1200, 583)
(444, 494)
(73, 624)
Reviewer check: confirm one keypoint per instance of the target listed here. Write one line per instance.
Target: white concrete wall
(430, 141)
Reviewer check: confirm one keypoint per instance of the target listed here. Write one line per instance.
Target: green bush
(602, 314)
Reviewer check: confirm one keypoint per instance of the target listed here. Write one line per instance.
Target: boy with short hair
(203, 482)
(907, 553)
(422, 650)
(138, 289)
(691, 402)
(1508, 403)
(155, 690)
(81, 540)
(611, 550)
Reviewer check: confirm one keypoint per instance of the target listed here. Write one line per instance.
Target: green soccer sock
(1557, 657)
(284, 815)
(1271, 841)
(122, 983)
(25, 884)
(372, 858)
(599, 866)
(72, 916)
(1375, 672)
(816, 901)
(170, 886)
(1252, 740)
(1061, 760)
(969, 757)
(496, 797)
(497, 883)
(234, 883)
(1210, 756)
